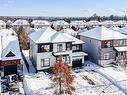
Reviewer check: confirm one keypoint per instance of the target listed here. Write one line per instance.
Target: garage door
(77, 63)
(8, 70)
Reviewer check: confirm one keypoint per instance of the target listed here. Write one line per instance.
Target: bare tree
(23, 37)
(62, 78)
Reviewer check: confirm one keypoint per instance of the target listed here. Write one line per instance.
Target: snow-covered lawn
(117, 75)
(101, 85)
(40, 83)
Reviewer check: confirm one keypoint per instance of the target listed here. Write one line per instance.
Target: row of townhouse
(46, 45)
(10, 55)
(104, 46)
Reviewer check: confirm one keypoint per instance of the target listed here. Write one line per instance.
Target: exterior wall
(110, 60)
(43, 56)
(55, 47)
(33, 52)
(91, 47)
(94, 49)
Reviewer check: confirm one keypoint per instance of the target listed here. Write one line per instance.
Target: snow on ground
(101, 84)
(116, 75)
(37, 84)
(31, 67)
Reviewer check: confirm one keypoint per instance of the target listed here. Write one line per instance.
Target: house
(40, 24)
(121, 23)
(18, 23)
(78, 24)
(47, 44)
(9, 24)
(108, 23)
(60, 24)
(104, 46)
(10, 55)
(2, 24)
(93, 23)
(70, 32)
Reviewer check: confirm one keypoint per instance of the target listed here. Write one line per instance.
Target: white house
(10, 55)
(121, 23)
(9, 24)
(108, 23)
(40, 23)
(2, 24)
(70, 32)
(18, 23)
(93, 23)
(78, 24)
(47, 44)
(60, 24)
(104, 46)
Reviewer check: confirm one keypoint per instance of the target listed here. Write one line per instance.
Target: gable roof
(60, 22)
(103, 33)
(9, 44)
(48, 35)
(123, 30)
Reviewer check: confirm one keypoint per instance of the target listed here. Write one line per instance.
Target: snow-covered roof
(123, 30)
(93, 22)
(21, 22)
(108, 22)
(74, 54)
(114, 28)
(69, 31)
(76, 41)
(9, 22)
(7, 32)
(2, 22)
(62, 53)
(48, 35)
(9, 44)
(77, 23)
(103, 33)
(40, 22)
(60, 22)
(120, 22)
(121, 48)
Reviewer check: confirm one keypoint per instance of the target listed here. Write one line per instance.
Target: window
(106, 56)
(45, 48)
(106, 44)
(59, 47)
(76, 47)
(45, 62)
(66, 59)
(68, 46)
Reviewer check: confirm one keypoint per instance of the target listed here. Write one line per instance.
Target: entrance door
(77, 63)
(8, 70)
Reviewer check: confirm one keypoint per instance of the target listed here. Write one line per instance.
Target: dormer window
(10, 54)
